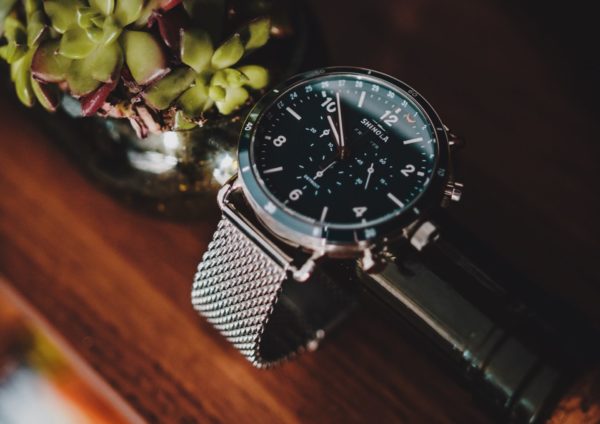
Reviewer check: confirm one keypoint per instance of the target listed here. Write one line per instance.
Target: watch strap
(518, 360)
(257, 305)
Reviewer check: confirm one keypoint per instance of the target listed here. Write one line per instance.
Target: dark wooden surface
(115, 283)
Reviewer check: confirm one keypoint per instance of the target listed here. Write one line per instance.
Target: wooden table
(114, 284)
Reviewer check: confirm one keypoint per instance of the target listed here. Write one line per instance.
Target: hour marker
(293, 113)
(267, 137)
(359, 211)
(395, 200)
(270, 171)
(413, 140)
(324, 213)
(245, 168)
(361, 100)
(420, 174)
(323, 93)
(397, 111)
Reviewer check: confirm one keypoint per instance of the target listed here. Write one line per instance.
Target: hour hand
(370, 171)
(334, 130)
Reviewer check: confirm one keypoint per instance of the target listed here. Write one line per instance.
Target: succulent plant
(162, 64)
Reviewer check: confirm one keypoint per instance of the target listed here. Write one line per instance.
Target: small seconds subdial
(344, 150)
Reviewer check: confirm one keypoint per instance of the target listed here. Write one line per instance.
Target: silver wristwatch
(336, 164)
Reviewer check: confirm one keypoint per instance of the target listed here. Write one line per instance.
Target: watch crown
(455, 141)
(454, 191)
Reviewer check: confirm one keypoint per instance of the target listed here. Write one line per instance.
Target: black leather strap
(517, 360)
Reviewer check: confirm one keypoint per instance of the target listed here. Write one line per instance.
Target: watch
(336, 163)
(342, 174)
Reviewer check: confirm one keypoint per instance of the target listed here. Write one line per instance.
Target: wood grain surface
(115, 283)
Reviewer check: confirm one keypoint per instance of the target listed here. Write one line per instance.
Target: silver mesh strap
(249, 298)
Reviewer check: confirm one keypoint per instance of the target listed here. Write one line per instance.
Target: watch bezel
(317, 235)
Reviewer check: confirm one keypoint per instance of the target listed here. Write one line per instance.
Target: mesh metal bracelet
(251, 300)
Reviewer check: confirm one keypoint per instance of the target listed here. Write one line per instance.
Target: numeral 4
(359, 211)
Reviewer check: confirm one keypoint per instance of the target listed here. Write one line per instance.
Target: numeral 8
(279, 140)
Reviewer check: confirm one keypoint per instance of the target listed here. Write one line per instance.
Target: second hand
(341, 125)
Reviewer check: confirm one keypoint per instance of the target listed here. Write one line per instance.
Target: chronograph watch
(342, 173)
(336, 165)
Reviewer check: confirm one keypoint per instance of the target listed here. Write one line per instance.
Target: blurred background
(518, 80)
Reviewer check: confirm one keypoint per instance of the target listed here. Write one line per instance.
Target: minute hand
(342, 141)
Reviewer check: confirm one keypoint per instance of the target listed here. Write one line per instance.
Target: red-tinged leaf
(48, 65)
(170, 24)
(167, 5)
(91, 103)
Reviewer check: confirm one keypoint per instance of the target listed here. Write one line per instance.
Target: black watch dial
(344, 150)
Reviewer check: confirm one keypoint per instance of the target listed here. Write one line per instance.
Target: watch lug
(372, 261)
(224, 191)
(303, 273)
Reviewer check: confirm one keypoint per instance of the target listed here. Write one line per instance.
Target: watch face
(342, 152)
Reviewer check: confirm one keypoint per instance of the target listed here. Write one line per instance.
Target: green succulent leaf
(196, 99)
(79, 79)
(259, 31)
(22, 79)
(47, 95)
(85, 16)
(111, 30)
(164, 92)
(128, 11)
(234, 98)
(217, 92)
(258, 77)
(62, 13)
(144, 56)
(95, 34)
(47, 64)
(35, 28)
(98, 20)
(106, 7)
(75, 44)
(6, 7)
(228, 53)
(31, 6)
(105, 62)
(183, 122)
(15, 31)
(14, 52)
(234, 77)
(196, 49)
(146, 12)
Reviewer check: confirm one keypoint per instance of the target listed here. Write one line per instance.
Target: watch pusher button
(454, 141)
(454, 191)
